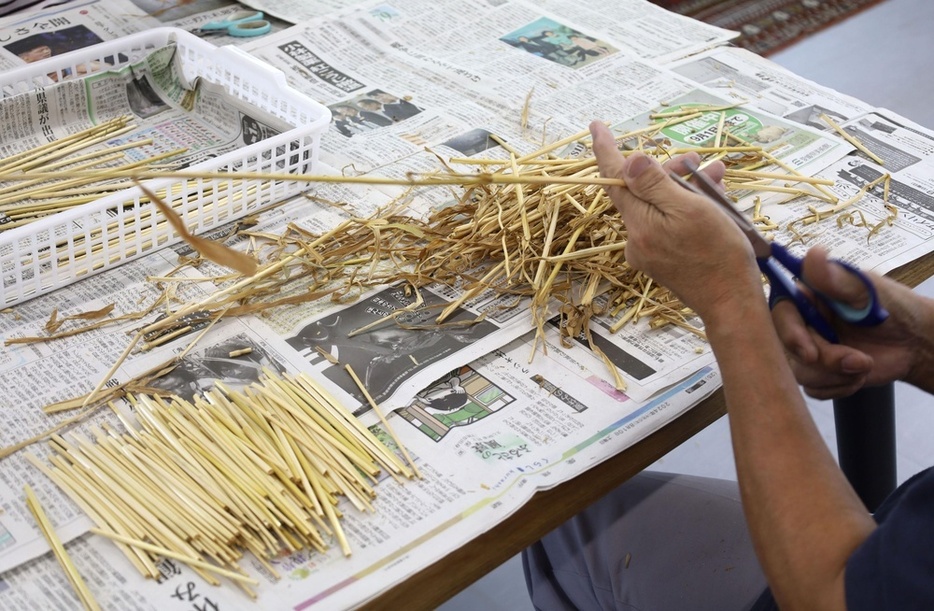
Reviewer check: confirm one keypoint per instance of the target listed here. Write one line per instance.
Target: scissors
(772, 256)
(242, 24)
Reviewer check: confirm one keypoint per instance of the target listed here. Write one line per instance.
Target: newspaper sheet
(627, 21)
(487, 425)
(193, 119)
(428, 102)
(486, 436)
(902, 145)
(58, 29)
(740, 75)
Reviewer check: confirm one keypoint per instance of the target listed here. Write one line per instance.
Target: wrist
(921, 367)
(736, 309)
(740, 330)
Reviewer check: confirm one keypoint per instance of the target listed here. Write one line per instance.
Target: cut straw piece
(81, 589)
(167, 553)
(721, 150)
(415, 180)
(585, 253)
(849, 138)
(546, 248)
(520, 203)
(813, 180)
(744, 186)
(10, 450)
(126, 353)
(583, 135)
(483, 284)
(695, 110)
(775, 160)
(382, 419)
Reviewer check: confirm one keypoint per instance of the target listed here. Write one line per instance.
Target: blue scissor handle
(792, 263)
(783, 287)
(870, 315)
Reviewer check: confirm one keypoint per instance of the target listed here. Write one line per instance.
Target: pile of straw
(538, 230)
(70, 171)
(257, 470)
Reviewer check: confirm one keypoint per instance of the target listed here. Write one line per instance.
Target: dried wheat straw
(81, 589)
(535, 229)
(259, 469)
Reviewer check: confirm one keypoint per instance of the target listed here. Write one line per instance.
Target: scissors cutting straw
(772, 257)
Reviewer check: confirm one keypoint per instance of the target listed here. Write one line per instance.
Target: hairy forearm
(804, 518)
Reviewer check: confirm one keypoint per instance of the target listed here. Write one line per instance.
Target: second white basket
(54, 251)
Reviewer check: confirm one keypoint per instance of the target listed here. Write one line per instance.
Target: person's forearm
(804, 517)
(921, 373)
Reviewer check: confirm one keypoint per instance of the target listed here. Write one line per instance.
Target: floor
(877, 56)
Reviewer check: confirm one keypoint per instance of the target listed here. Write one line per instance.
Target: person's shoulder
(917, 488)
(892, 568)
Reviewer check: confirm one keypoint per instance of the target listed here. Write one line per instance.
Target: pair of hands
(692, 247)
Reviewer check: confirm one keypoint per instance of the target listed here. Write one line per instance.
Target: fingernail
(637, 164)
(853, 363)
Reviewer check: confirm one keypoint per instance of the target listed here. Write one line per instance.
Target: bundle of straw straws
(71, 171)
(257, 470)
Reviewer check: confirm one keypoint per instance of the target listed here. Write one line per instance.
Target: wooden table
(548, 509)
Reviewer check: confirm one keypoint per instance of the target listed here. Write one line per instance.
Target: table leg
(865, 423)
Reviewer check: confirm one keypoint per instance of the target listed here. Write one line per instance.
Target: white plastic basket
(54, 251)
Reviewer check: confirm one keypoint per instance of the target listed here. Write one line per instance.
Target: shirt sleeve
(894, 567)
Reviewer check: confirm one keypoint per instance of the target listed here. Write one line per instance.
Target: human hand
(898, 349)
(680, 238)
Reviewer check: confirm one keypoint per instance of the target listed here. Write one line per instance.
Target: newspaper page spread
(522, 425)
(741, 75)
(512, 428)
(67, 27)
(192, 119)
(488, 418)
(901, 145)
(630, 20)
(429, 102)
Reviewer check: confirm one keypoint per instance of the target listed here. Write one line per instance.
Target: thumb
(649, 181)
(609, 159)
(833, 280)
(612, 164)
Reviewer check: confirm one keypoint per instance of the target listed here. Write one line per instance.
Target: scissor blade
(706, 187)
